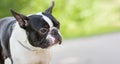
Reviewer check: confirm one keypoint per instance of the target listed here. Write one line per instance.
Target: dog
(28, 39)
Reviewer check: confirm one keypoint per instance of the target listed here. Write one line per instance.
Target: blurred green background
(78, 18)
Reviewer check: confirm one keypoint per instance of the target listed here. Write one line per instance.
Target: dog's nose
(56, 35)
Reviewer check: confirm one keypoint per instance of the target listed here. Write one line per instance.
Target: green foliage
(77, 17)
(6, 5)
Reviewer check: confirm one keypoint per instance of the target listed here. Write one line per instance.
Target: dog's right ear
(22, 19)
(49, 10)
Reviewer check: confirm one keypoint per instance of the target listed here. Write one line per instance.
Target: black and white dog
(27, 39)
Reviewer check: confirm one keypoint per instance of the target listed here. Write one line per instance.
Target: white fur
(7, 61)
(21, 55)
(51, 37)
(49, 21)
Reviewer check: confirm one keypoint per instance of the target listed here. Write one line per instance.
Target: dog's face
(42, 29)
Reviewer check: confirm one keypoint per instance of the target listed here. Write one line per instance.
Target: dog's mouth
(54, 37)
(50, 42)
(44, 44)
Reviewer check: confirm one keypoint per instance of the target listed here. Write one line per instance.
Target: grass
(86, 30)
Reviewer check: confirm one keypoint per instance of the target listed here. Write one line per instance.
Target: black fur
(55, 22)
(6, 25)
(36, 29)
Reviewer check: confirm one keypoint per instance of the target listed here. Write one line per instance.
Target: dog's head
(42, 29)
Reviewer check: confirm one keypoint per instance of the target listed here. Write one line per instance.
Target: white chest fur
(21, 55)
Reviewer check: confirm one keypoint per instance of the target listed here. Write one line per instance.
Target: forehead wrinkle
(55, 22)
(47, 19)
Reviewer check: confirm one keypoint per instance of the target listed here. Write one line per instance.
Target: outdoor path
(101, 49)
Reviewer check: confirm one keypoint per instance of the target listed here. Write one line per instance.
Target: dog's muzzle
(54, 37)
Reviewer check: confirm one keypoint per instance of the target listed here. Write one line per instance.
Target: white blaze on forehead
(48, 20)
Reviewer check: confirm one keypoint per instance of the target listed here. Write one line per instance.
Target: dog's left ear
(49, 10)
(22, 19)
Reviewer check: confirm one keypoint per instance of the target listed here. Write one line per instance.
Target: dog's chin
(49, 43)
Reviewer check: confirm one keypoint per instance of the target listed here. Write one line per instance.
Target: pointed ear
(49, 10)
(22, 19)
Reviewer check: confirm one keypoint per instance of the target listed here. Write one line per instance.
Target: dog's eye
(43, 30)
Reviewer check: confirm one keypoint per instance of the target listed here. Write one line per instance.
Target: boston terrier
(27, 39)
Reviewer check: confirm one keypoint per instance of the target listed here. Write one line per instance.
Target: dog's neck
(20, 53)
